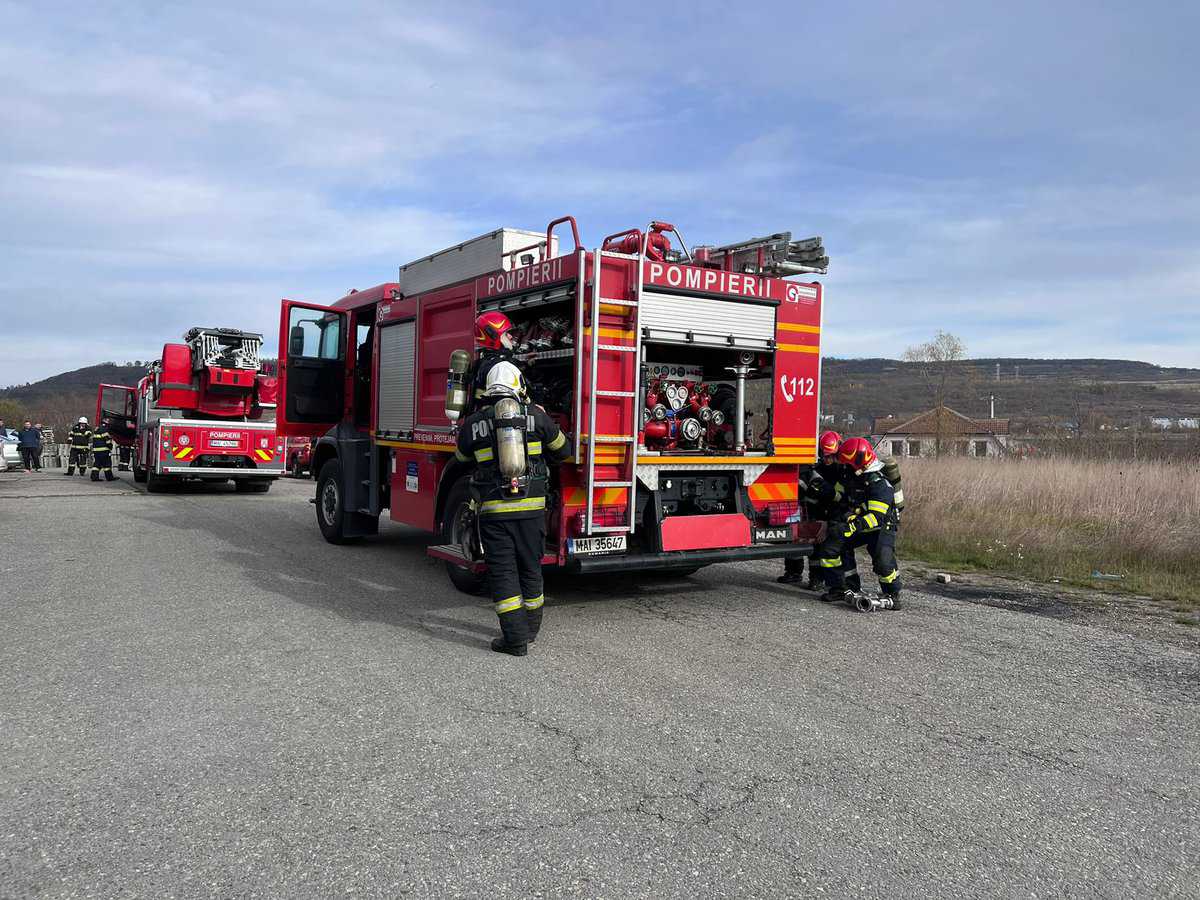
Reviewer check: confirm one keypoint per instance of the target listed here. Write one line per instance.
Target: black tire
(331, 504)
(155, 483)
(454, 523)
(242, 486)
(139, 474)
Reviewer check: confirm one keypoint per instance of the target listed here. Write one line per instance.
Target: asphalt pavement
(199, 697)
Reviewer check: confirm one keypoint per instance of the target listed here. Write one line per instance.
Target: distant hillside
(1033, 392)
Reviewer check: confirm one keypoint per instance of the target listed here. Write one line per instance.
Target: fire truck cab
(687, 382)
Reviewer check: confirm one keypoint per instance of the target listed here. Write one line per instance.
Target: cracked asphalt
(201, 698)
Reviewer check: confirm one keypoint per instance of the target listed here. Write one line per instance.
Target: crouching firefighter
(871, 522)
(821, 495)
(512, 444)
(79, 441)
(102, 446)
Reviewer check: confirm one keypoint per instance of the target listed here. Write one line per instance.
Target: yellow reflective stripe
(870, 520)
(830, 563)
(888, 579)
(877, 506)
(484, 455)
(535, 602)
(461, 457)
(535, 447)
(557, 442)
(507, 606)
(503, 506)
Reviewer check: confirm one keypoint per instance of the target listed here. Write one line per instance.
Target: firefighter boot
(95, 474)
(69, 472)
(515, 630)
(833, 595)
(109, 476)
(793, 571)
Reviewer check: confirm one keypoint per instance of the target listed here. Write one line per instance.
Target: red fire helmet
(857, 453)
(492, 331)
(828, 443)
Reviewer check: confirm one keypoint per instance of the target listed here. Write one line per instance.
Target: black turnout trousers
(512, 548)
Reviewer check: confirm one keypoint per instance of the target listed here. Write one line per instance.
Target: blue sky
(1024, 175)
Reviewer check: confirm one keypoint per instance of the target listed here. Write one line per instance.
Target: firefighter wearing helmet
(79, 441)
(494, 343)
(511, 444)
(821, 493)
(871, 521)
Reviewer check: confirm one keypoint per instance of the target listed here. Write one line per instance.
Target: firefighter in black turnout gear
(821, 493)
(512, 444)
(872, 522)
(79, 441)
(102, 447)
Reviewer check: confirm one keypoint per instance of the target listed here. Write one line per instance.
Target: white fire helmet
(505, 380)
(83, 420)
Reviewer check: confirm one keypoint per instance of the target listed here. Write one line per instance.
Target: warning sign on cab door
(410, 477)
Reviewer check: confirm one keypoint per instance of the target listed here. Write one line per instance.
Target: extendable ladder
(596, 391)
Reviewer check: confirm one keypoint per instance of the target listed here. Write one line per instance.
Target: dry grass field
(1061, 518)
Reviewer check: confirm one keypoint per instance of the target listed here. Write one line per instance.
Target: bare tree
(936, 359)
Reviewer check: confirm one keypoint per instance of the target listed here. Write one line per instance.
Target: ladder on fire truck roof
(628, 477)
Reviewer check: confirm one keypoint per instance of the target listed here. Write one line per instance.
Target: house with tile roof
(939, 431)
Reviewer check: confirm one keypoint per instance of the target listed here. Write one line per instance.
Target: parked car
(299, 457)
(11, 456)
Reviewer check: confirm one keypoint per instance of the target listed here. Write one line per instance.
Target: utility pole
(991, 406)
(997, 373)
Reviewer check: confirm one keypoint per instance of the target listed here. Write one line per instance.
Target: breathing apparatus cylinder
(456, 384)
(510, 439)
(891, 471)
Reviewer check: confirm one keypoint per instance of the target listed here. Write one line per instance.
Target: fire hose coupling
(862, 602)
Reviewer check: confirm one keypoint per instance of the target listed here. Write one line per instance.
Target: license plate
(219, 443)
(776, 534)
(595, 545)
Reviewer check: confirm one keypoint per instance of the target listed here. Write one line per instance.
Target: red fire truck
(687, 381)
(204, 411)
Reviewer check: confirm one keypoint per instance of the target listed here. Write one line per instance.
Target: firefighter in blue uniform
(102, 447)
(512, 445)
(871, 522)
(79, 441)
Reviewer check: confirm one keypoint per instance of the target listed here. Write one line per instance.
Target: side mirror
(296, 341)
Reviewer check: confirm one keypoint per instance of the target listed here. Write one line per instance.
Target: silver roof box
(472, 258)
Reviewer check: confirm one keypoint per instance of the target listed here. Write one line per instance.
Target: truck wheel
(139, 474)
(155, 484)
(331, 503)
(456, 529)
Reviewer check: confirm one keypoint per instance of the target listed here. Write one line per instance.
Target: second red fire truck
(687, 381)
(204, 411)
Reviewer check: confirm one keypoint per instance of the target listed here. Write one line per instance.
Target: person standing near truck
(102, 446)
(820, 493)
(872, 521)
(29, 442)
(79, 441)
(511, 444)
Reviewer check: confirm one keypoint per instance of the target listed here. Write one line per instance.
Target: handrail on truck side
(574, 233)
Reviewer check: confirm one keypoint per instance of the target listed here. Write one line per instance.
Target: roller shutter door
(397, 378)
(669, 318)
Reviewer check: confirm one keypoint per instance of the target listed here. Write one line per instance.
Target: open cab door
(118, 404)
(312, 369)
